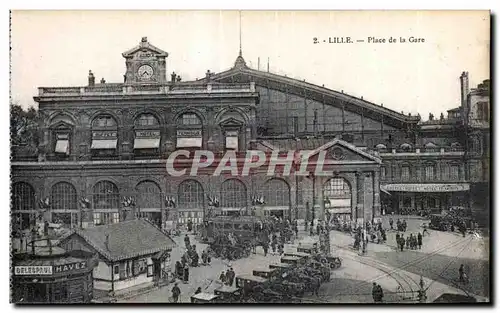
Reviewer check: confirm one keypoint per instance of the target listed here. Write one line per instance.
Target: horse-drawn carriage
(234, 237)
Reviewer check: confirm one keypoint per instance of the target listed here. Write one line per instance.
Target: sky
(58, 48)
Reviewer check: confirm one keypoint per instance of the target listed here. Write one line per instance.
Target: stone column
(360, 183)
(376, 196)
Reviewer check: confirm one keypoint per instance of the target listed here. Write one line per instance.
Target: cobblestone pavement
(398, 273)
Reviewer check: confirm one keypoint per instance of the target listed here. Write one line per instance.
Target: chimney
(464, 87)
(103, 81)
(464, 92)
(91, 79)
(106, 242)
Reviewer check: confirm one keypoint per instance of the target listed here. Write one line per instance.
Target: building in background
(105, 145)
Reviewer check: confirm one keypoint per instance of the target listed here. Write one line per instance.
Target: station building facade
(105, 146)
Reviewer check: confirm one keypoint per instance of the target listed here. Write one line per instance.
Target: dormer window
(61, 138)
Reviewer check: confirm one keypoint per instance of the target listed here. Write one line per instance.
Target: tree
(24, 127)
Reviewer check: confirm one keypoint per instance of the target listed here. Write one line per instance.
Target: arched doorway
(337, 199)
(23, 205)
(191, 202)
(64, 206)
(149, 201)
(233, 196)
(276, 194)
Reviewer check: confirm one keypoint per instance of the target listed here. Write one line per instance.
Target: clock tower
(145, 63)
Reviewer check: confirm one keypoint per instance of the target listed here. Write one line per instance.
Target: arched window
(63, 197)
(104, 135)
(189, 119)
(337, 195)
(146, 120)
(189, 131)
(383, 172)
(23, 197)
(233, 194)
(148, 195)
(406, 147)
(104, 122)
(147, 135)
(276, 192)
(191, 194)
(106, 201)
(105, 196)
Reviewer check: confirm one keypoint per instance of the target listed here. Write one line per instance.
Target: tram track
(405, 282)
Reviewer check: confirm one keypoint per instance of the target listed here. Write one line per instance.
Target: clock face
(145, 72)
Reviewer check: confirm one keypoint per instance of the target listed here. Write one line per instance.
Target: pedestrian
(197, 291)
(222, 278)
(425, 231)
(195, 259)
(179, 269)
(419, 240)
(380, 293)
(186, 274)
(408, 242)
(230, 277)
(376, 293)
(461, 274)
(187, 241)
(398, 224)
(402, 243)
(176, 292)
(404, 225)
(274, 242)
(204, 257)
(397, 240)
(281, 249)
(190, 225)
(265, 246)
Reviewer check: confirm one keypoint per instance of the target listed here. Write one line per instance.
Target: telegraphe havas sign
(49, 269)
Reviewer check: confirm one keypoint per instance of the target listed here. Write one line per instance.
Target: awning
(146, 143)
(276, 208)
(232, 143)
(62, 146)
(340, 211)
(189, 142)
(426, 187)
(335, 203)
(384, 190)
(104, 144)
(232, 209)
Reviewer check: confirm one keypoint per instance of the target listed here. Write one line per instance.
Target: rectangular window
(405, 173)
(116, 269)
(150, 270)
(382, 172)
(232, 140)
(123, 270)
(429, 172)
(115, 218)
(97, 219)
(454, 172)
